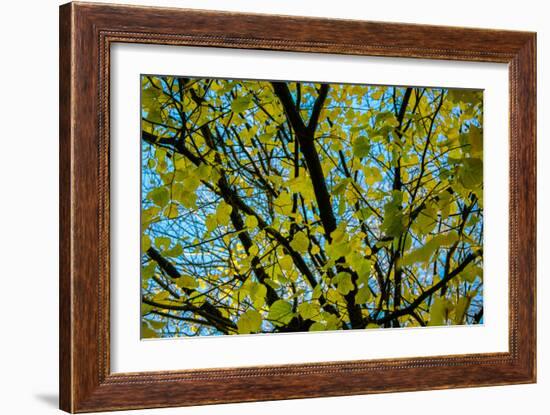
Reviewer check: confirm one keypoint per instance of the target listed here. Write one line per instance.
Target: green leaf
(251, 222)
(280, 313)
(468, 96)
(301, 185)
(241, 104)
(286, 263)
(475, 137)
(360, 264)
(386, 119)
(317, 291)
(160, 196)
(397, 197)
(273, 284)
(341, 206)
(426, 220)
(283, 204)
(147, 332)
(444, 204)
(176, 251)
(361, 147)
(145, 243)
(203, 171)
(300, 242)
(191, 179)
(341, 186)
(249, 322)
(425, 252)
(171, 211)
(149, 270)
(384, 244)
(332, 322)
(363, 295)
(372, 175)
(257, 294)
(337, 250)
(309, 310)
(187, 281)
(439, 312)
(157, 325)
(470, 174)
(161, 296)
(186, 197)
(462, 306)
(223, 213)
(317, 326)
(377, 93)
(471, 272)
(146, 309)
(162, 242)
(253, 250)
(149, 97)
(339, 235)
(149, 215)
(344, 282)
(227, 86)
(394, 220)
(211, 223)
(151, 163)
(364, 213)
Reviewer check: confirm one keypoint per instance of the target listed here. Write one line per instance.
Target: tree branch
(412, 306)
(206, 308)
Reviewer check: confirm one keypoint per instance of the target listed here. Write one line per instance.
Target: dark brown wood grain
(65, 249)
(86, 33)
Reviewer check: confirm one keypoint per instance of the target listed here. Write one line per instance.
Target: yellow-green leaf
(344, 282)
(171, 211)
(462, 306)
(147, 332)
(251, 222)
(317, 326)
(280, 313)
(241, 104)
(223, 213)
(300, 242)
(286, 263)
(363, 295)
(145, 243)
(470, 173)
(162, 242)
(283, 204)
(308, 310)
(187, 281)
(160, 196)
(361, 147)
(211, 223)
(425, 252)
(439, 312)
(257, 294)
(253, 250)
(426, 220)
(175, 251)
(249, 322)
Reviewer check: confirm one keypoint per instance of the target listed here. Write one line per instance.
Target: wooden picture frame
(86, 33)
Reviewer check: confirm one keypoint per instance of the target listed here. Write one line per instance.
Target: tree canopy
(296, 206)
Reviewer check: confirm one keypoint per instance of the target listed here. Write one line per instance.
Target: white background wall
(29, 205)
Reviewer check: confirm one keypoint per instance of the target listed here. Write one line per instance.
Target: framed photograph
(260, 207)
